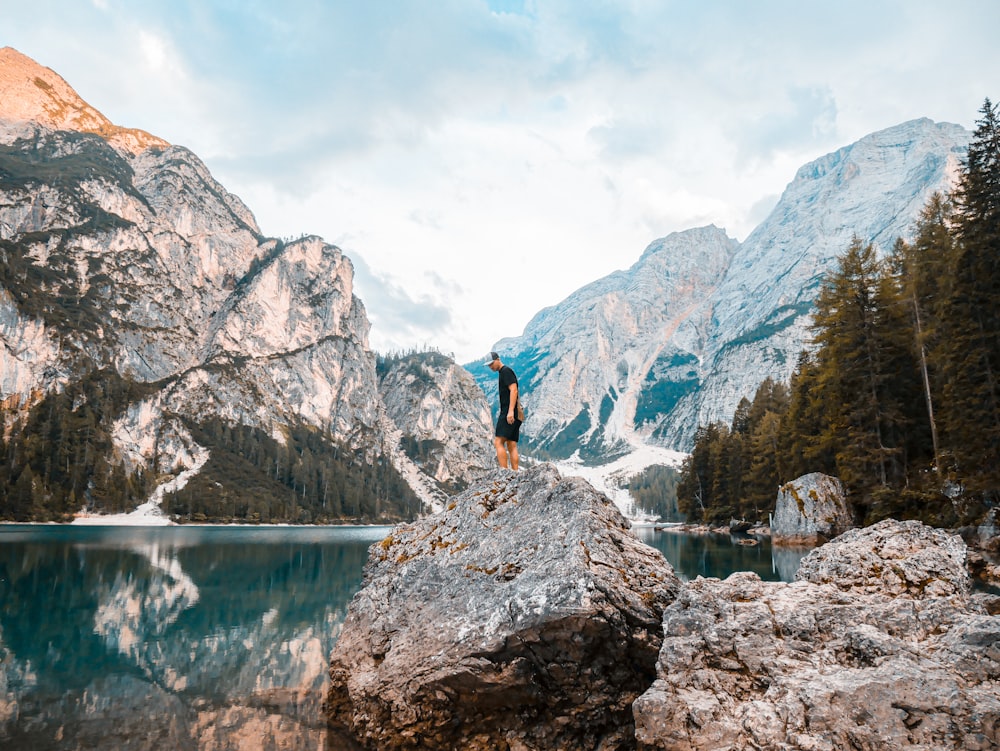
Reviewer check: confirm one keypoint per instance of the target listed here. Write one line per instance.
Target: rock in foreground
(878, 645)
(525, 616)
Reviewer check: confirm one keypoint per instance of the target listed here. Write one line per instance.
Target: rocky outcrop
(810, 510)
(441, 417)
(525, 616)
(877, 645)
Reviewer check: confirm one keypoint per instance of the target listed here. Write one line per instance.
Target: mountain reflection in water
(171, 637)
(203, 637)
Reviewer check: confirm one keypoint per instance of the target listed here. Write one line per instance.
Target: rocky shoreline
(813, 509)
(981, 557)
(527, 616)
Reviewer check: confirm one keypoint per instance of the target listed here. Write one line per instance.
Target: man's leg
(512, 453)
(501, 448)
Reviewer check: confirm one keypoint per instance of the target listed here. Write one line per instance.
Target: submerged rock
(810, 510)
(525, 616)
(877, 645)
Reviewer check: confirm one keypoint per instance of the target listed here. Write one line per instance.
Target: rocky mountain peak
(138, 294)
(590, 365)
(646, 355)
(32, 92)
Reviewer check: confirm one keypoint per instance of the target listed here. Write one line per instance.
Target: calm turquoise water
(720, 555)
(197, 637)
(171, 637)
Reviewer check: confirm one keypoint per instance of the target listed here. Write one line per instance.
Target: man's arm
(513, 403)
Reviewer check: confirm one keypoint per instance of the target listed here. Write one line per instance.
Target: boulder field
(527, 615)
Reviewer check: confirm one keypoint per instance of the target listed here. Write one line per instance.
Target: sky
(479, 160)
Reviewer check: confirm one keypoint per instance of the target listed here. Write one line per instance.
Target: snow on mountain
(121, 251)
(585, 365)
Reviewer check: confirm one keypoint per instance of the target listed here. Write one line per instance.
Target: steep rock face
(810, 510)
(877, 645)
(526, 615)
(873, 189)
(441, 416)
(594, 365)
(675, 342)
(149, 266)
(120, 253)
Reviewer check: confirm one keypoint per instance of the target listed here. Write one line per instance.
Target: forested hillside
(56, 464)
(900, 397)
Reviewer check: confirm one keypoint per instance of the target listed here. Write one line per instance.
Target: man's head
(493, 361)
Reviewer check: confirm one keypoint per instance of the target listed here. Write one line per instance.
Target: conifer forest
(899, 396)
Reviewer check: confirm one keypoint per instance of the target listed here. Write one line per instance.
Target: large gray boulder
(894, 559)
(524, 616)
(877, 645)
(810, 510)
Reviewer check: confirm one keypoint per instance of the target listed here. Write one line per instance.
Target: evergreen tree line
(60, 458)
(654, 490)
(900, 396)
(252, 478)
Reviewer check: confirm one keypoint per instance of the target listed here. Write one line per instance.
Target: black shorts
(507, 431)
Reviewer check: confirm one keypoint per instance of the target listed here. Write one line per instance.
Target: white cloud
(454, 144)
(154, 51)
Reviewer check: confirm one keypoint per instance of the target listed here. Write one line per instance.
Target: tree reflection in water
(719, 555)
(176, 637)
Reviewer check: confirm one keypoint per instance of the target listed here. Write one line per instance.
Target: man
(508, 426)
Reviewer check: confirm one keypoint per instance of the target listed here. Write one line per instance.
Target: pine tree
(806, 445)
(853, 372)
(922, 270)
(969, 347)
(694, 491)
(768, 462)
(765, 475)
(904, 421)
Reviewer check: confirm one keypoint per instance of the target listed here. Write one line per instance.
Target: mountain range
(125, 264)
(647, 355)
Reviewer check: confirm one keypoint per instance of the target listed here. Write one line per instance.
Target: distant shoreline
(140, 525)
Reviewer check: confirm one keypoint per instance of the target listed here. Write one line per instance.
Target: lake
(204, 637)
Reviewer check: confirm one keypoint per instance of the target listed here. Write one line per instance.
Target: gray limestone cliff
(122, 256)
(649, 353)
(439, 419)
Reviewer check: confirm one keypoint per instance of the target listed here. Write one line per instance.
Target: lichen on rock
(810, 510)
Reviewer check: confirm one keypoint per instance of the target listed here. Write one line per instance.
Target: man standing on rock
(508, 426)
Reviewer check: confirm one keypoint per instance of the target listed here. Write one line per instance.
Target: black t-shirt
(504, 382)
